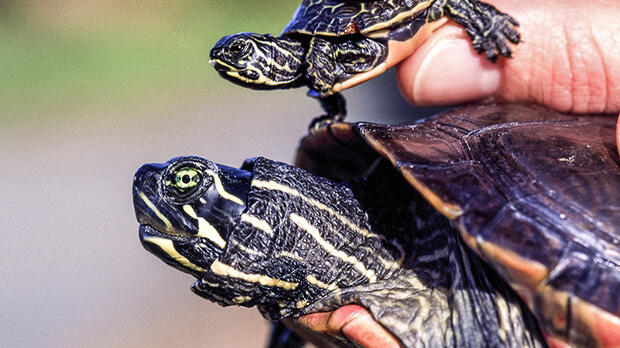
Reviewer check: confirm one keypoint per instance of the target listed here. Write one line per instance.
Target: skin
(569, 60)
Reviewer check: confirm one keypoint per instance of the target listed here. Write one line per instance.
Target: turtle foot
(322, 121)
(335, 107)
(493, 40)
(490, 30)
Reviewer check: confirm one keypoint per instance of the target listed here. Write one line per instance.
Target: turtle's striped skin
(331, 45)
(405, 225)
(300, 244)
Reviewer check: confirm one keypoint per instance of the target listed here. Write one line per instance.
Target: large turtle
(473, 228)
(331, 45)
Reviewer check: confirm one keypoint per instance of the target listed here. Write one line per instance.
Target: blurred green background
(63, 53)
(90, 90)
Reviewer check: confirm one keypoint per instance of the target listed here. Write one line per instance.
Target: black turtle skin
(373, 241)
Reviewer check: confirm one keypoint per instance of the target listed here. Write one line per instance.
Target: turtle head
(187, 209)
(266, 235)
(259, 61)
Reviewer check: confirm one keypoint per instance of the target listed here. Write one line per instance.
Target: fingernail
(452, 72)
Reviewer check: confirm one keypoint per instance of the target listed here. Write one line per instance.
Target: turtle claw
(322, 121)
(494, 39)
(490, 30)
(335, 107)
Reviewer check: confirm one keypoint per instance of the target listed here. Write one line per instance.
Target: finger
(312, 332)
(447, 70)
(353, 322)
(358, 325)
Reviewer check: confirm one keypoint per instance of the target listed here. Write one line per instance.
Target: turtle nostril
(144, 191)
(147, 175)
(215, 53)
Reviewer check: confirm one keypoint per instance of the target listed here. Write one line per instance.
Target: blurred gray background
(90, 90)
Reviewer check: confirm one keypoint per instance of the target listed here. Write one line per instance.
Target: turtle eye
(184, 182)
(238, 47)
(185, 179)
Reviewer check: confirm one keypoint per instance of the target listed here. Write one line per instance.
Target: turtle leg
(333, 61)
(322, 74)
(358, 55)
(322, 71)
(490, 30)
(335, 111)
(337, 60)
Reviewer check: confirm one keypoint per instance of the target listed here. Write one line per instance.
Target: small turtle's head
(187, 209)
(259, 61)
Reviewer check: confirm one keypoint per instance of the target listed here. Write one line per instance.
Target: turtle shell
(337, 17)
(534, 192)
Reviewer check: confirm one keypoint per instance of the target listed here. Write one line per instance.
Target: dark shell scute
(587, 278)
(334, 17)
(529, 180)
(523, 179)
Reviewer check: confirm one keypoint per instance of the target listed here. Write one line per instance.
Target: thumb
(568, 60)
(447, 70)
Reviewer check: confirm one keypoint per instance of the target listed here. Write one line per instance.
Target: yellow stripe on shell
(314, 232)
(168, 247)
(205, 229)
(225, 270)
(159, 215)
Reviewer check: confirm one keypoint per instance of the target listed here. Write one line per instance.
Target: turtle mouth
(164, 247)
(222, 67)
(147, 231)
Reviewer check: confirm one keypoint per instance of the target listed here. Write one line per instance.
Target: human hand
(569, 60)
(351, 322)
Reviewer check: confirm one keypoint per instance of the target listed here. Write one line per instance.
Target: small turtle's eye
(238, 47)
(185, 179)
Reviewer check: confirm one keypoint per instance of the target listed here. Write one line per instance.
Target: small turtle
(331, 45)
(440, 228)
